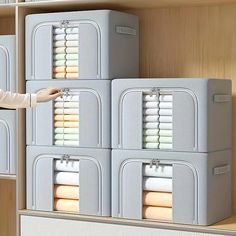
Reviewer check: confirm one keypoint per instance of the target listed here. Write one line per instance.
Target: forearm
(16, 100)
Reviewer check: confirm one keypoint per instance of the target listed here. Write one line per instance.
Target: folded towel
(59, 44)
(165, 119)
(59, 69)
(166, 139)
(151, 139)
(150, 132)
(150, 111)
(154, 118)
(165, 133)
(69, 166)
(157, 213)
(66, 178)
(72, 37)
(167, 126)
(166, 105)
(72, 75)
(66, 111)
(72, 63)
(59, 50)
(72, 137)
(151, 145)
(66, 124)
(72, 30)
(151, 104)
(166, 98)
(59, 37)
(69, 98)
(72, 43)
(150, 98)
(165, 146)
(72, 49)
(66, 143)
(66, 104)
(72, 56)
(72, 69)
(59, 56)
(157, 184)
(66, 131)
(164, 171)
(59, 63)
(66, 205)
(59, 30)
(59, 75)
(67, 117)
(66, 192)
(159, 199)
(165, 112)
(151, 125)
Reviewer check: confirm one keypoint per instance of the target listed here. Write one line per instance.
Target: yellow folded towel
(66, 205)
(66, 124)
(157, 213)
(157, 199)
(66, 192)
(66, 118)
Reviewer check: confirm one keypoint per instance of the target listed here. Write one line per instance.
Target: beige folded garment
(157, 213)
(66, 124)
(66, 117)
(72, 75)
(72, 137)
(66, 205)
(72, 43)
(159, 199)
(72, 49)
(59, 43)
(66, 192)
(66, 111)
(59, 75)
(66, 104)
(59, 69)
(66, 131)
(59, 50)
(72, 69)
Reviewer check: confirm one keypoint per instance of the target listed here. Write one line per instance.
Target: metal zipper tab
(154, 162)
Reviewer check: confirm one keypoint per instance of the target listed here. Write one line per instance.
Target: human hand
(48, 94)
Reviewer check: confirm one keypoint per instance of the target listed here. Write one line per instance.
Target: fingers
(56, 95)
(52, 90)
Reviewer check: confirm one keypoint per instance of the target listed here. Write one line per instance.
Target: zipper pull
(64, 24)
(66, 157)
(155, 162)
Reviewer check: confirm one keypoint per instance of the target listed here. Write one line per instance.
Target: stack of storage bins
(7, 117)
(69, 149)
(171, 157)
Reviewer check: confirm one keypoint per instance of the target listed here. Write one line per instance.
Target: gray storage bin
(7, 62)
(91, 174)
(104, 45)
(172, 114)
(81, 118)
(7, 1)
(198, 186)
(8, 141)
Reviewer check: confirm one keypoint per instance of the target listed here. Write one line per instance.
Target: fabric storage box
(178, 187)
(7, 1)
(7, 62)
(80, 118)
(8, 141)
(99, 44)
(171, 114)
(66, 179)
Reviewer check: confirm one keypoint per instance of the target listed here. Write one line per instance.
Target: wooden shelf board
(7, 9)
(9, 177)
(226, 226)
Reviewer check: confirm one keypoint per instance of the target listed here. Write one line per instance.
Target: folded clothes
(150, 132)
(72, 30)
(154, 118)
(150, 111)
(157, 132)
(157, 184)
(167, 126)
(72, 137)
(72, 69)
(166, 98)
(66, 111)
(151, 145)
(66, 178)
(72, 75)
(159, 199)
(157, 213)
(166, 105)
(66, 143)
(151, 139)
(66, 192)
(151, 125)
(72, 37)
(150, 98)
(59, 50)
(166, 139)
(72, 56)
(59, 44)
(68, 98)
(165, 146)
(59, 30)
(72, 63)
(72, 43)
(165, 119)
(72, 49)
(59, 37)
(67, 117)
(59, 56)
(66, 124)
(69, 166)
(164, 171)
(66, 104)
(59, 62)
(151, 104)
(66, 131)
(59, 69)
(59, 75)
(166, 133)
(165, 112)
(66, 205)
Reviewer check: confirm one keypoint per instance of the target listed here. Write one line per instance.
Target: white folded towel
(72, 30)
(72, 137)
(66, 104)
(59, 31)
(72, 63)
(154, 118)
(151, 132)
(167, 126)
(66, 178)
(166, 146)
(59, 50)
(166, 119)
(66, 131)
(165, 112)
(151, 139)
(166, 133)
(166, 105)
(59, 37)
(151, 104)
(149, 98)
(69, 98)
(150, 111)
(151, 125)
(69, 166)
(68, 111)
(165, 139)
(164, 171)
(157, 184)
(66, 143)
(72, 37)
(166, 98)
